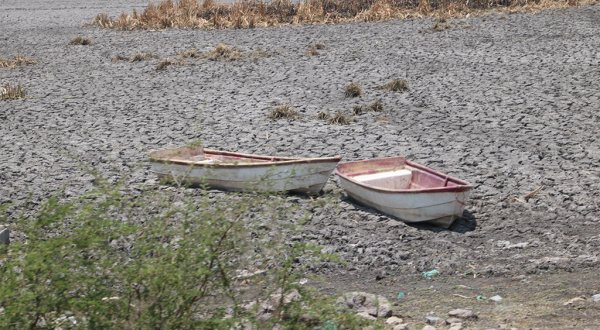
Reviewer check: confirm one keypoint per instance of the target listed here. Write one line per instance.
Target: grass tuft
(17, 60)
(138, 57)
(440, 24)
(164, 63)
(323, 115)
(81, 41)
(376, 106)
(119, 57)
(223, 52)
(283, 112)
(190, 53)
(339, 119)
(11, 92)
(353, 90)
(396, 85)
(358, 110)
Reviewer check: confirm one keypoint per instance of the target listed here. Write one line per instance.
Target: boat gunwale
(269, 160)
(462, 187)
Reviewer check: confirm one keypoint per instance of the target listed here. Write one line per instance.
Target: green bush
(162, 259)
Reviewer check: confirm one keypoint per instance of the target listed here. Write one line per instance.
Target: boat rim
(270, 160)
(462, 187)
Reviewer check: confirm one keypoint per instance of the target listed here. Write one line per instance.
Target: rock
(403, 326)
(596, 298)
(456, 326)
(366, 315)
(394, 320)
(428, 327)
(452, 320)
(496, 298)
(573, 301)
(433, 320)
(4, 236)
(462, 313)
(374, 305)
(368, 328)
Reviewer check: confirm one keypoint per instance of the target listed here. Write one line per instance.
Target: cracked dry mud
(507, 102)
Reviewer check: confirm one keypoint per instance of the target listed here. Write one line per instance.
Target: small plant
(376, 106)
(313, 50)
(81, 41)
(358, 110)
(323, 115)
(164, 63)
(18, 60)
(118, 58)
(396, 85)
(190, 53)
(440, 24)
(11, 92)
(339, 119)
(283, 111)
(138, 57)
(223, 52)
(353, 90)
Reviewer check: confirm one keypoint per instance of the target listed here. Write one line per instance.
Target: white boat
(242, 172)
(404, 189)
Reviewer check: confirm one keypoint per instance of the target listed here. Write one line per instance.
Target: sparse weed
(376, 106)
(440, 24)
(119, 57)
(396, 85)
(190, 53)
(323, 115)
(164, 63)
(138, 57)
(81, 41)
(223, 52)
(283, 111)
(339, 118)
(17, 60)
(358, 110)
(312, 51)
(352, 90)
(11, 92)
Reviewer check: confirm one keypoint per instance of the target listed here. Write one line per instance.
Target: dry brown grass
(16, 61)
(223, 52)
(283, 112)
(81, 41)
(137, 57)
(375, 106)
(11, 92)
(339, 118)
(352, 90)
(323, 115)
(396, 85)
(255, 13)
(165, 62)
(313, 49)
(190, 53)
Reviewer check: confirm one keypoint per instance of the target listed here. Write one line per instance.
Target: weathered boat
(242, 172)
(406, 190)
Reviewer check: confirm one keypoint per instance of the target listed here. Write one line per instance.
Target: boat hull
(246, 173)
(406, 190)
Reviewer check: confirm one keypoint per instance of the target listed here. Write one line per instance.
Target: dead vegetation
(260, 13)
(190, 53)
(137, 57)
(11, 92)
(165, 62)
(313, 49)
(16, 61)
(375, 106)
(223, 52)
(352, 90)
(81, 41)
(323, 115)
(283, 112)
(339, 118)
(441, 24)
(396, 85)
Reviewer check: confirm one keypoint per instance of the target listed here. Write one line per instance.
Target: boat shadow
(466, 223)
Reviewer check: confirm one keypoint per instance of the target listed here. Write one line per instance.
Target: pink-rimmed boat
(234, 171)
(404, 189)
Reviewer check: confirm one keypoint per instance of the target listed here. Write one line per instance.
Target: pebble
(453, 320)
(394, 320)
(456, 326)
(433, 320)
(428, 327)
(596, 297)
(462, 313)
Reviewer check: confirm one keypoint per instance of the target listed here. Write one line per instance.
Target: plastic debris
(596, 298)
(480, 297)
(328, 325)
(401, 295)
(430, 274)
(496, 298)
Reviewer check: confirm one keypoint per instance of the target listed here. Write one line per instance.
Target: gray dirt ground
(507, 102)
